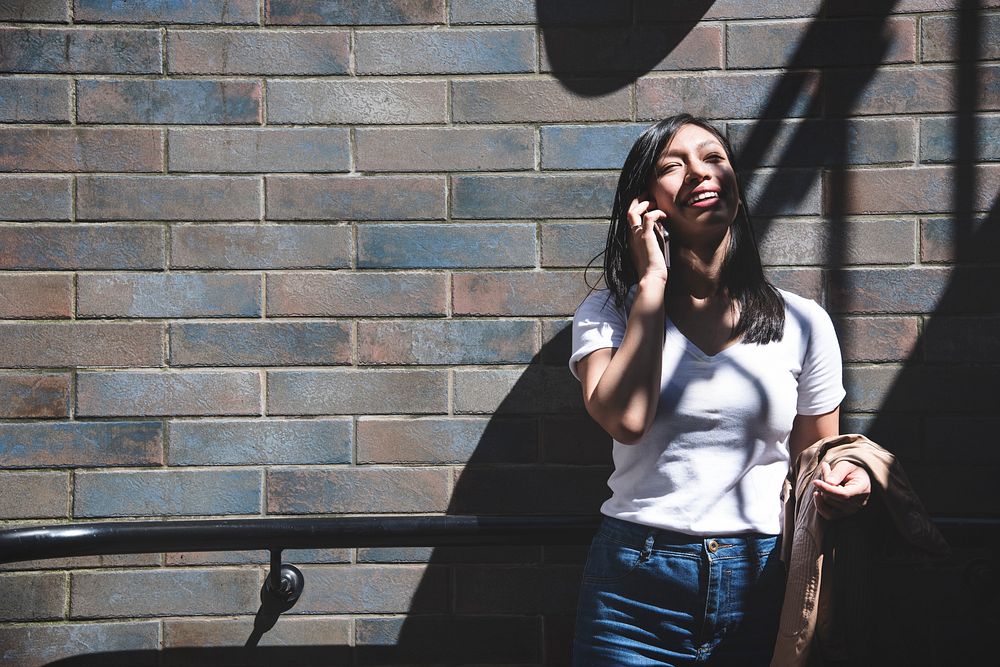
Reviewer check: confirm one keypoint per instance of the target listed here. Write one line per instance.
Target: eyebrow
(701, 144)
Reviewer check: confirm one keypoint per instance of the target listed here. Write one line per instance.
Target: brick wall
(278, 257)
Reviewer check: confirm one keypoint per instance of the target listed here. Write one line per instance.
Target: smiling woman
(710, 380)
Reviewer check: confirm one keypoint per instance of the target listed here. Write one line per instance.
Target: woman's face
(695, 185)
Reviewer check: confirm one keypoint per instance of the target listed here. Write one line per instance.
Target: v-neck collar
(694, 350)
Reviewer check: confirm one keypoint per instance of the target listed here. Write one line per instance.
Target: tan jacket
(825, 608)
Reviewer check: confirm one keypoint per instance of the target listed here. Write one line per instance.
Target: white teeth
(701, 196)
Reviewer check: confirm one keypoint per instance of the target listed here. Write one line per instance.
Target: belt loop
(647, 548)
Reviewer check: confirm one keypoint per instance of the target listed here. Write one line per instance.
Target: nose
(697, 171)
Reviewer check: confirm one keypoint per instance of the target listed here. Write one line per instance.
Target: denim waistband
(639, 536)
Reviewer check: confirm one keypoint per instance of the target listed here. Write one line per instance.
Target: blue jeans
(655, 597)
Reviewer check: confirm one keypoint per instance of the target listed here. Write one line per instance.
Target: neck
(697, 272)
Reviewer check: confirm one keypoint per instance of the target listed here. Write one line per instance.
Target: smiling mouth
(702, 197)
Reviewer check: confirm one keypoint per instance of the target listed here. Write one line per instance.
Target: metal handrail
(277, 534)
(284, 581)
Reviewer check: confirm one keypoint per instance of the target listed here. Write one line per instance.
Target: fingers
(842, 490)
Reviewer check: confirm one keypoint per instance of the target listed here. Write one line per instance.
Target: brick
(872, 339)
(356, 294)
(345, 12)
(444, 149)
(80, 50)
(90, 562)
(587, 146)
(608, 50)
(916, 389)
(939, 139)
(448, 640)
(531, 490)
(356, 198)
(168, 295)
(168, 198)
(820, 43)
(946, 240)
(447, 440)
(260, 344)
(450, 555)
(533, 390)
(573, 244)
(817, 243)
(547, 13)
(34, 395)
(35, 198)
(170, 592)
(263, 557)
(42, 11)
(825, 143)
(271, 52)
(682, 10)
(402, 342)
(534, 196)
(557, 341)
(541, 100)
(939, 37)
(804, 282)
(23, 149)
(367, 102)
(167, 493)
(260, 246)
(39, 645)
(513, 590)
(316, 634)
(34, 100)
(85, 247)
(158, 11)
(34, 495)
(168, 101)
(916, 190)
(518, 293)
(473, 51)
(35, 295)
(966, 291)
(972, 340)
(373, 589)
(32, 597)
(356, 392)
(449, 246)
(349, 490)
(903, 90)
(76, 444)
(864, 8)
(576, 440)
(779, 192)
(509, 12)
(727, 95)
(166, 394)
(956, 490)
(887, 290)
(57, 345)
(260, 150)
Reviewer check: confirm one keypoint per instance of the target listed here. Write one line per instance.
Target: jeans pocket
(609, 560)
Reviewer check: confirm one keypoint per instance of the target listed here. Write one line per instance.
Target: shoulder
(802, 312)
(600, 305)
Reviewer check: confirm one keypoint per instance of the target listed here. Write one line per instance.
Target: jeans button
(713, 546)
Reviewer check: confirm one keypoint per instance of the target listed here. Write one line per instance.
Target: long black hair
(762, 310)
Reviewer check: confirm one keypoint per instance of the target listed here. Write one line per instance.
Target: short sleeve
(597, 324)
(821, 381)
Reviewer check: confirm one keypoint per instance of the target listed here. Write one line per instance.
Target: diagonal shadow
(596, 47)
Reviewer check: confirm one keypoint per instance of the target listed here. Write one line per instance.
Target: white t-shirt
(715, 456)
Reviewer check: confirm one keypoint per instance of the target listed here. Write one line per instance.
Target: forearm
(625, 398)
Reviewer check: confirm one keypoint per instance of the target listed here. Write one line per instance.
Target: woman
(709, 379)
